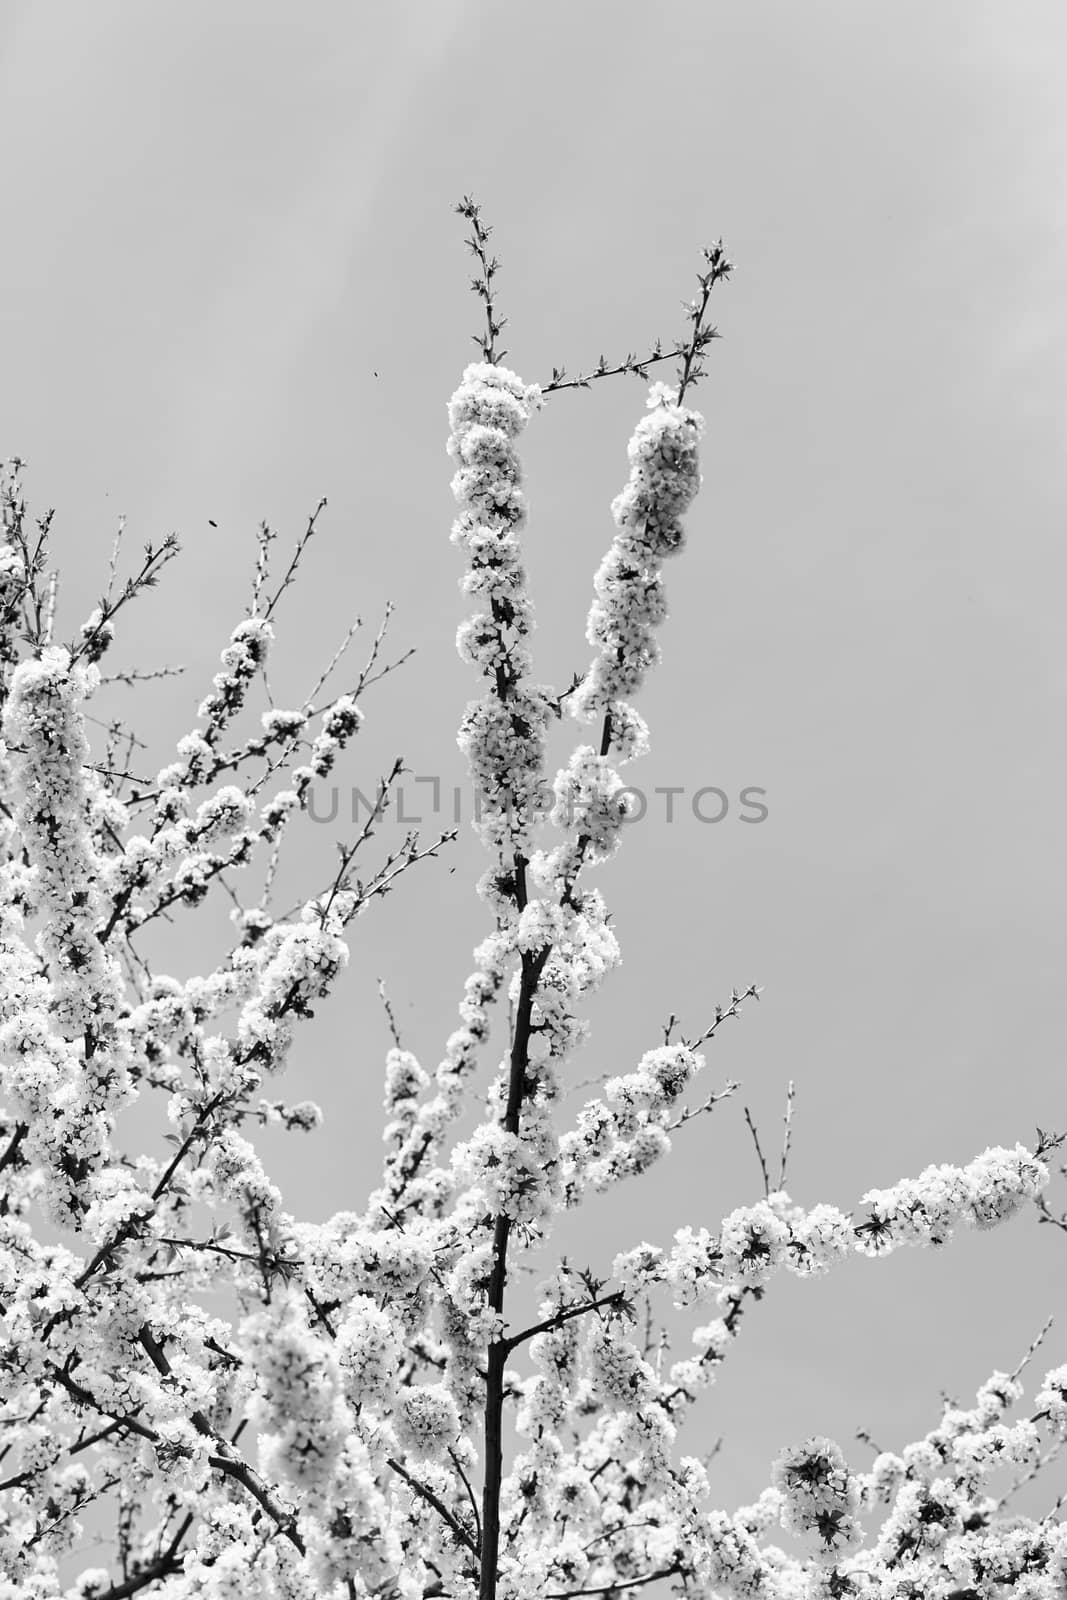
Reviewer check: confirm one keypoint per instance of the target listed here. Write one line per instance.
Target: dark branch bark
(439, 1506)
(162, 1567)
(565, 1314)
(532, 967)
(613, 1588)
(227, 1459)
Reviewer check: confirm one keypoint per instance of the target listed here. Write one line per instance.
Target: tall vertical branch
(483, 285)
(503, 735)
(532, 967)
(504, 731)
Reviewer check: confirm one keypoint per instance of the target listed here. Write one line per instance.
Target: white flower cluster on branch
(354, 1408)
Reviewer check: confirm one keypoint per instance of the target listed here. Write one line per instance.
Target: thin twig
(113, 563)
(389, 1013)
(705, 1105)
(788, 1120)
(1034, 1346)
(135, 675)
(264, 538)
(301, 545)
(339, 653)
(438, 1505)
(470, 1495)
(759, 1152)
(483, 285)
(737, 997)
(50, 607)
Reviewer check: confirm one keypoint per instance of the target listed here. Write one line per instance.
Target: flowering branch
(173, 1301)
(438, 1505)
(615, 1301)
(620, 1587)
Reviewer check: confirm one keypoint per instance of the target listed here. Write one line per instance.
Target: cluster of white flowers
(292, 966)
(369, 1349)
(336, 1425)
(940, 1536)
(427, 1419)
(926, 1209)
(417, 1131)
(622, 1132)
(754, 1242)
(298, 1397)
(60, 1035)
(506, 1170)
(172, 863)
(818, 1493)
(629, 603)
(242, 658)
(1052, 1399)
(502, 734)
(45, 732)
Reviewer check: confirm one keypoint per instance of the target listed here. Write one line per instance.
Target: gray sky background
(221, 222)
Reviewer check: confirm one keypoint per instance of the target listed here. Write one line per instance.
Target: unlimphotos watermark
(673, 802)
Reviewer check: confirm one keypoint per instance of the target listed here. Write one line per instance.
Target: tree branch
(615, 1588)
(617, 1298)
(438, 1505)
(532, 966)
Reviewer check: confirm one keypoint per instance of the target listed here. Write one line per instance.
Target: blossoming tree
(371, 1418)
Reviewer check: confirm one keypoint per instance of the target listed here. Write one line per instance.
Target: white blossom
(370, 1405)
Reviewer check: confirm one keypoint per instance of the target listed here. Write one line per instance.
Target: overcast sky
(233, 282)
